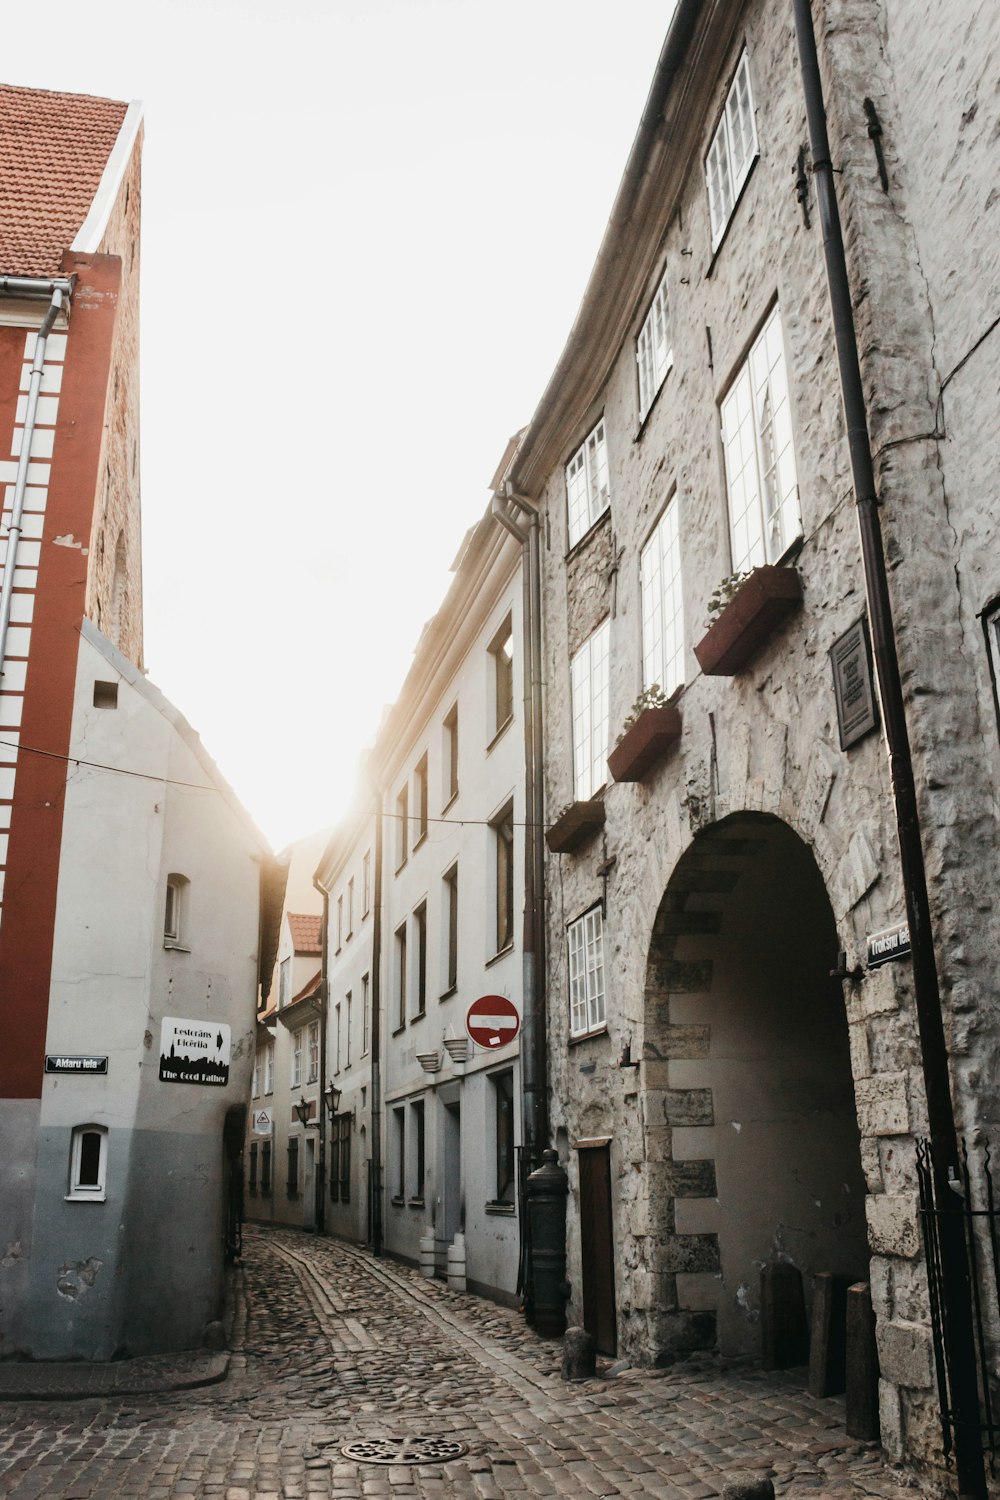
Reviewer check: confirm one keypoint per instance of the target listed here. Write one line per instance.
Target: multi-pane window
(420, 797)
(269, 1068)
(662, 608)
(732, 152)
(503, 841)
(401, 975)
(313, 1052)
(340, 922)
(296, 1068)
(503, 1098)
(284, 982)
(336, 1037)
(255, 1083)
(292, 1181)
(366, 883)
(653, 353)
(350, 907)
(451, 928)
(420, 926)
(502, 655)
(399, 1150)
(585, 939)
(348, 1005)
(419, 1148)
(587, 491)
(402, 826)
(451, 755)
(340, 1160)
(760, 461)
(365, 1012)
(88, 1162)
(589, 680)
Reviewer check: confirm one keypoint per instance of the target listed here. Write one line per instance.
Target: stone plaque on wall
(853, 684)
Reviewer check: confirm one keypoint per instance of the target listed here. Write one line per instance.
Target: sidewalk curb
(31, 1380)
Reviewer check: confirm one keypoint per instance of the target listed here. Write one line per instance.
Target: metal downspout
(375, 1187)
(958, 1322)
(324, 993)
(60, 292)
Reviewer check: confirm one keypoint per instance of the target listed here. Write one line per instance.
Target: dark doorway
(597, 1251)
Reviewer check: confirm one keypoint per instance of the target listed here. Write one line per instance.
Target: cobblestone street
(331, 1347)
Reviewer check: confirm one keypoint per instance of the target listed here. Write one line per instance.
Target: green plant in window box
(725, 593)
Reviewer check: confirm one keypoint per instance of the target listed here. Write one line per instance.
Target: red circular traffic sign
(492, 1021)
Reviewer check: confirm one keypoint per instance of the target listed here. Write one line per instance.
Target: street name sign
(883, 947)
(60, 1062)
(492, 1021)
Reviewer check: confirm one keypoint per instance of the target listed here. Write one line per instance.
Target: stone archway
(753, 1144)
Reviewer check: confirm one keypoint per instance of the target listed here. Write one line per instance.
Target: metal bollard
(548, 1189)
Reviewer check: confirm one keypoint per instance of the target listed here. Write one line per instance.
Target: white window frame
(365, 1013)
(284, 982)
(81, 1192)
(662, 604)
(366, 883)
(588, 492)
(255, 1085)
(312, 1042)
(295, 1068)
(174, 911)
(762, 489)
(589, 684)
(733, 151)
(588, 1008)
(654, 355)
(269, 1068)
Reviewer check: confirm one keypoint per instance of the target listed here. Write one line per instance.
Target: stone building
(727, 1088)
(135, 894)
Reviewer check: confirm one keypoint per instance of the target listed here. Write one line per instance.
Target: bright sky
(367, 227)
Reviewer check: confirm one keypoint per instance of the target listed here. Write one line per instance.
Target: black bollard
(548, 1188)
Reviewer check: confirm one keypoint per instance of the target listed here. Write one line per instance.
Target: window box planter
(762, 604)
(645, 743)
(575, 826)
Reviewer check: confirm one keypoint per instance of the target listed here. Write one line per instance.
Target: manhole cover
(416, 1450)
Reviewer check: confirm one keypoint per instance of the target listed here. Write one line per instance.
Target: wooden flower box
(763, 603)
(645, 743)
(575, 826)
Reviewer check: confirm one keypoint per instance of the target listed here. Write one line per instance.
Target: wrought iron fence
(970, 1200)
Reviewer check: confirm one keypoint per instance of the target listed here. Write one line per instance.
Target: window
(313, 1045)
(732, 152)
(88, 1163)
(269, 1068)
(502, 656)
(292, 1184)
(399, 1151)
(420, 798)
(420, 923)
(401, 975)
(587, 1010)
(451, 756)
(173, 913)
(365, 1014)
(587, 493)
(366, 883)
(340, 923)
(419, 1160)
(284, 982)
(336, 1038)
(402, 827)
(653, 354)
(503, 1101)
(347, 1029)
(662, 608)
(450, 945)
(105, 695)
(503, 841)
(255, 1083)
(350, 907)
(265, 1169)
(760, 461)
(589, 674)
(295, 1078)
(340, 1161)
(253, 1169)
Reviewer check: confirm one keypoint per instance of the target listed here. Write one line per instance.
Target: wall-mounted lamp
(331, 1098)
(302, 1110)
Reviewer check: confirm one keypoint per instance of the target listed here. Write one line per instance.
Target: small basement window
(88, 1163)
(105, 695)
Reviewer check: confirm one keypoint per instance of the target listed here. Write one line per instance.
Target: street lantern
(331, 1097)
(302, 1110)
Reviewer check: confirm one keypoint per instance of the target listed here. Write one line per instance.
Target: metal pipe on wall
(376, 1040)
(958, 1329)
(324, 1002)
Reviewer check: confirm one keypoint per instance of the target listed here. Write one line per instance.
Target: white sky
(367, 226)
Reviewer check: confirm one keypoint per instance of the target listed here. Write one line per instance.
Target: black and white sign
(851, 658)
(883, 947)
(60, 1062)
(194, 1052)
(263, 1122)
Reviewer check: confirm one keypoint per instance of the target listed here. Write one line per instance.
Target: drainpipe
(375, 1187)
(958, 1335)
(59, 292)
(324, 1011)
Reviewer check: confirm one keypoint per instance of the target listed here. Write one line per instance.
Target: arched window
(88, 1162)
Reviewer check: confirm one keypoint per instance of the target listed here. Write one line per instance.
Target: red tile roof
(53, 151)
(306, 932)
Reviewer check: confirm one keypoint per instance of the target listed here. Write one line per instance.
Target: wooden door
(597, 1247)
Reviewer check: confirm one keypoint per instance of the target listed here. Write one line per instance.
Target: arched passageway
(747, 1035)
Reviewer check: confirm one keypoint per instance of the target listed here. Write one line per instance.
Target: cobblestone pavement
(331, 1347)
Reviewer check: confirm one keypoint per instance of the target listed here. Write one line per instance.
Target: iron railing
(973, 1192)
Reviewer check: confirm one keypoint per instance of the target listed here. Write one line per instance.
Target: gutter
(958, 1322)
(59, 292)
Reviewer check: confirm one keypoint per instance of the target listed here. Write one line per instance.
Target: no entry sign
(492, 1021)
